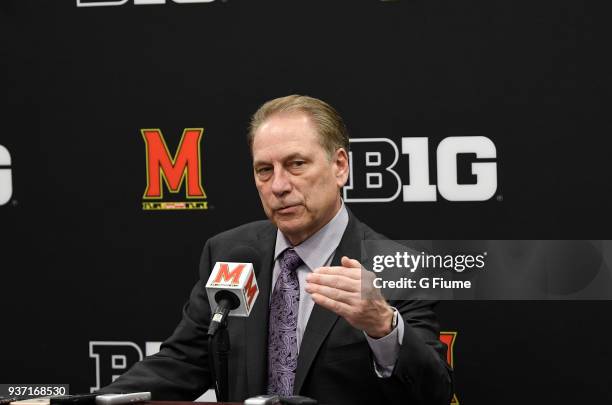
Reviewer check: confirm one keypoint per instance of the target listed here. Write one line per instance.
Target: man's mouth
(288, 209)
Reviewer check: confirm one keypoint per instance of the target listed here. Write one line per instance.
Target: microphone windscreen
(236, 275)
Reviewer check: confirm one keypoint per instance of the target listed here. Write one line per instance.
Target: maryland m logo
(184, 167)
(448, 338)
(225, 276)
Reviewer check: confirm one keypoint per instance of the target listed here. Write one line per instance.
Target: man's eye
(262, 170)
(297, 163)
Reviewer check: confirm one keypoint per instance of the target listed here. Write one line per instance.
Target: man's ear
(341, 165)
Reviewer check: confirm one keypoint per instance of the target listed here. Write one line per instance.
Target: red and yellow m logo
(186, 162)
(250, 290)
(225, 276)
(448, 338)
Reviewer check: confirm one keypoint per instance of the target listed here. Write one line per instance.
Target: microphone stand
(223, 349)
(218, 349)
(218, 338)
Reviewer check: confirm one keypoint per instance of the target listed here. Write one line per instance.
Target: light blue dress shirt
(318, 251)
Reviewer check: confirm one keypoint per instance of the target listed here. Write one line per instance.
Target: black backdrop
(81, 260)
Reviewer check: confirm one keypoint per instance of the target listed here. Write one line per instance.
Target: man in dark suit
(311, 331)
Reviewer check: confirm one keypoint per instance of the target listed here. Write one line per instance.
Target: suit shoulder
(249, 231)
(413, 245)
(369, 233)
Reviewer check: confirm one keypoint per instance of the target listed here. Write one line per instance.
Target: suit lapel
(322, 320)
(256, 325)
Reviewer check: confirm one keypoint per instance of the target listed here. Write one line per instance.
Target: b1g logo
(115, 358)
(6, 177)
(174, 171)
(373, 178)
(106, 3)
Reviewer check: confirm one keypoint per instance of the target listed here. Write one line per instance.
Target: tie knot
(289, 260)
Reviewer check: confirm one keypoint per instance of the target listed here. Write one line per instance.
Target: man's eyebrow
(259, 163)
(296, 155)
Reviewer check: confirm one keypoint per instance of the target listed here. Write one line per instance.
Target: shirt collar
(316, 250)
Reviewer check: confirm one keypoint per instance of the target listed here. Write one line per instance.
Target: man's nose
(281, 183)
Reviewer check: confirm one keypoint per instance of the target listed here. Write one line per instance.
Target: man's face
(297, 181)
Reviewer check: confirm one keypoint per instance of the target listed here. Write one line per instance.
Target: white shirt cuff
(386, 349)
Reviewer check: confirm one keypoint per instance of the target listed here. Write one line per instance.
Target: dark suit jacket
(335, 363)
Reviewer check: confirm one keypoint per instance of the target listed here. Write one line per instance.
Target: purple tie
(282, 335)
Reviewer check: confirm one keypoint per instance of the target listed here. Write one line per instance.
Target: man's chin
(290, 227)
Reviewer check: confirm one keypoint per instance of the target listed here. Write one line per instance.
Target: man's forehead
(284, 150)
(286, 122)
(282, 136)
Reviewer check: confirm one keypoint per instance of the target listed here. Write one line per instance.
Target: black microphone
(226, 301)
